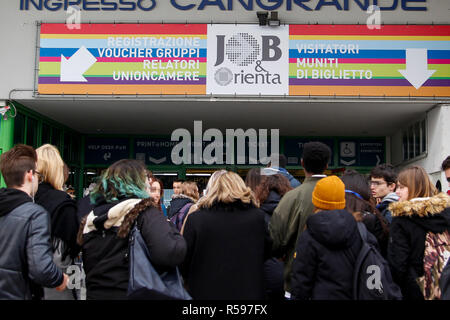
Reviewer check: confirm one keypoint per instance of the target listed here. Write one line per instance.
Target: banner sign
(353, 60)
(361, 152)
(248, 61)
(106, 150)
(154, 151)
(123, 59)
(232, 59)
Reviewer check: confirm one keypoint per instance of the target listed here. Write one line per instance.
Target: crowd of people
(269, 237)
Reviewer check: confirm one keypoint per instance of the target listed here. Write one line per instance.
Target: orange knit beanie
(329, 194)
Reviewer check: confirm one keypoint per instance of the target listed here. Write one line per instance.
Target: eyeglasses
(38, 174)
(376, 183)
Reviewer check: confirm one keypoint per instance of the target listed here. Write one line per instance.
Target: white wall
(18, 28)
(438, 139)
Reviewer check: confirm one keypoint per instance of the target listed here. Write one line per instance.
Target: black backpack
(372, 278)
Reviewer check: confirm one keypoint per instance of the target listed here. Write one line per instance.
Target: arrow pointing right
(417, 67)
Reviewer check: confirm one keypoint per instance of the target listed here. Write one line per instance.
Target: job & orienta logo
(243, 49)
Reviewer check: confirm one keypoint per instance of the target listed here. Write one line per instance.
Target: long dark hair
(253, 178)
(360, 202)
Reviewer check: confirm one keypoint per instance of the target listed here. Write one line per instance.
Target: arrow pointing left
(73, 69)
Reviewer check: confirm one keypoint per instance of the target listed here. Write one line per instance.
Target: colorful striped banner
(352, 60)
(324, 60)
(123, 59)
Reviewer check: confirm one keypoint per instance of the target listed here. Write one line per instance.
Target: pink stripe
(379, 61)
(58, 59)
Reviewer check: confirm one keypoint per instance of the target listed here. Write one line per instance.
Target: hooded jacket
(325, 257)
(383, 206)
(105, 254)
(178, 202)
(26, 253)
(292, 181)
(411, 222)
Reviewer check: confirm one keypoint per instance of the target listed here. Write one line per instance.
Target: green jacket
(289, 221)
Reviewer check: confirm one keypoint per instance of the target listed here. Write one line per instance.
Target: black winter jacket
(105, 255)
(26, 253)
(63, 216)
(412, 220)
(325, 257)
(273, 267)
(178, 201)
(227, 247)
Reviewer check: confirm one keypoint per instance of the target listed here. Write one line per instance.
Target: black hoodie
(325, 257)
(11, 199)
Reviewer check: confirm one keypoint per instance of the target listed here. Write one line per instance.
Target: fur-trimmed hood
(420, 207)
(121, 215)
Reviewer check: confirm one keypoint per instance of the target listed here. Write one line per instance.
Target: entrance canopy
(292, 117)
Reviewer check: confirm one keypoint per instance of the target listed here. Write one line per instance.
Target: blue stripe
(373, 54)
(68, 52)
(377, 45)
(99, 43)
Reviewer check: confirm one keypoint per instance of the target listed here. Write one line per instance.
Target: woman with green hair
(120, 199)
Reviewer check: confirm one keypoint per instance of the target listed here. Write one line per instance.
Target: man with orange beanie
(326, 252)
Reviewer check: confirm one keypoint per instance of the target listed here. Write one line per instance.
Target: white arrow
(79, 63)
(106, 156)
(348, 163)
(378, 160)
(157, 161)
(417, 67)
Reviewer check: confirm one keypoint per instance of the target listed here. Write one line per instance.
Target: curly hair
(127, 223)
(277, 182)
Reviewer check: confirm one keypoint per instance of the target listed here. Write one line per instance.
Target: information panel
(123, 59)
(353, 60)
(219, 59)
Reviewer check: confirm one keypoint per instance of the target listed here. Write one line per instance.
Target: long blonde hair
(228, 188)
(50, 165)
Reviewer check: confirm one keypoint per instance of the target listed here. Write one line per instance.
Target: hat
(269, 171)
(329, 194)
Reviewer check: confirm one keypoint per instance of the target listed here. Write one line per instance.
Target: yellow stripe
(404, 38)
(106, 36)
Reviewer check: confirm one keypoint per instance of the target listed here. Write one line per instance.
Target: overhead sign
(122, 59)
(223, 5)
(353, 60)
(247, 61)
(361, 152)
(293, 149)
(200, 59)
(154, 151)
(106, 150)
